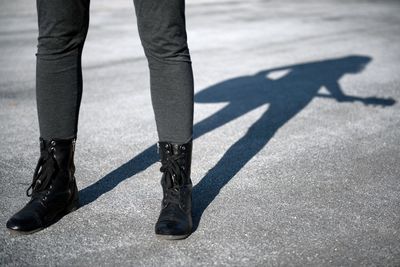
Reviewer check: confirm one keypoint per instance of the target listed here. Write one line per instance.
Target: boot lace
(45, 170)
(172, 170)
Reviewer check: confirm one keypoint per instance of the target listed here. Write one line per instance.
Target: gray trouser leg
(62, 31)
(162, 30)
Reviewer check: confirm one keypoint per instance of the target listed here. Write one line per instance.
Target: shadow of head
(351, 64)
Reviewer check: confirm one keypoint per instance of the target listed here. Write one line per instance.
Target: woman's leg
(63, 27)
(162, 30)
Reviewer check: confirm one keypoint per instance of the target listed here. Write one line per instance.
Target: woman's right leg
(63, 25)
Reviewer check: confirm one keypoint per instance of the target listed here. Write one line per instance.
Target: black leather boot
(175, 220)
(53, 190)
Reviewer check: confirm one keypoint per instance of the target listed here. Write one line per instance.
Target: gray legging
(63, 26)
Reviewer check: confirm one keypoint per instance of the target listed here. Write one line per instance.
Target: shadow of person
(286, 96)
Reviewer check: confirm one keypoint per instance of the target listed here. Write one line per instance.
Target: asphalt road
(296, 153)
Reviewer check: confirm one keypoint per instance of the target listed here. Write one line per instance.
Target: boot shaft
(62, 150)
(55, 167)
(168, 151)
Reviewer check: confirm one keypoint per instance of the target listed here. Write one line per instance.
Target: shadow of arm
(337, 93)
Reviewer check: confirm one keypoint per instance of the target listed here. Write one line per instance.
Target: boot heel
(73, 206)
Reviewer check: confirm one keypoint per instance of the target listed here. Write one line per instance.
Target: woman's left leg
(162, 30)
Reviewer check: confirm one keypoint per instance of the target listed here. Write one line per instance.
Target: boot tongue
(175, 149)
(168, 180)
(46, 175)
(172, 159)
(44, 172)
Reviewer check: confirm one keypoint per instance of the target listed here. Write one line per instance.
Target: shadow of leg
(112, 179)
(231, 162)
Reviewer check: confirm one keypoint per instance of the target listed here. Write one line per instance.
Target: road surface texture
(296, 157)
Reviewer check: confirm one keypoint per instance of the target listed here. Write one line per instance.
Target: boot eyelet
(53, 143)
(166, 145)
(53, 149)
(47, 192)
(44, 198)
(51, 186)
(183, 167)
(183, 148)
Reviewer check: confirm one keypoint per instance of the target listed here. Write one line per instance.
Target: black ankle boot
(53, 190)
(175, 220)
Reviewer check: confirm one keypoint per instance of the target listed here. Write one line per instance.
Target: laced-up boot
(53, 191)
(175, 220)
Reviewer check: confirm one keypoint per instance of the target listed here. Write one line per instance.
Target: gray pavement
(287, 170)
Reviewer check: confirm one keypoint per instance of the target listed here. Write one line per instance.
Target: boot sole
(17, 232)
(72, 207)
(171, 237)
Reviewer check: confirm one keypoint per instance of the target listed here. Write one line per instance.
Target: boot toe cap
(172, 228)
(26, 222)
